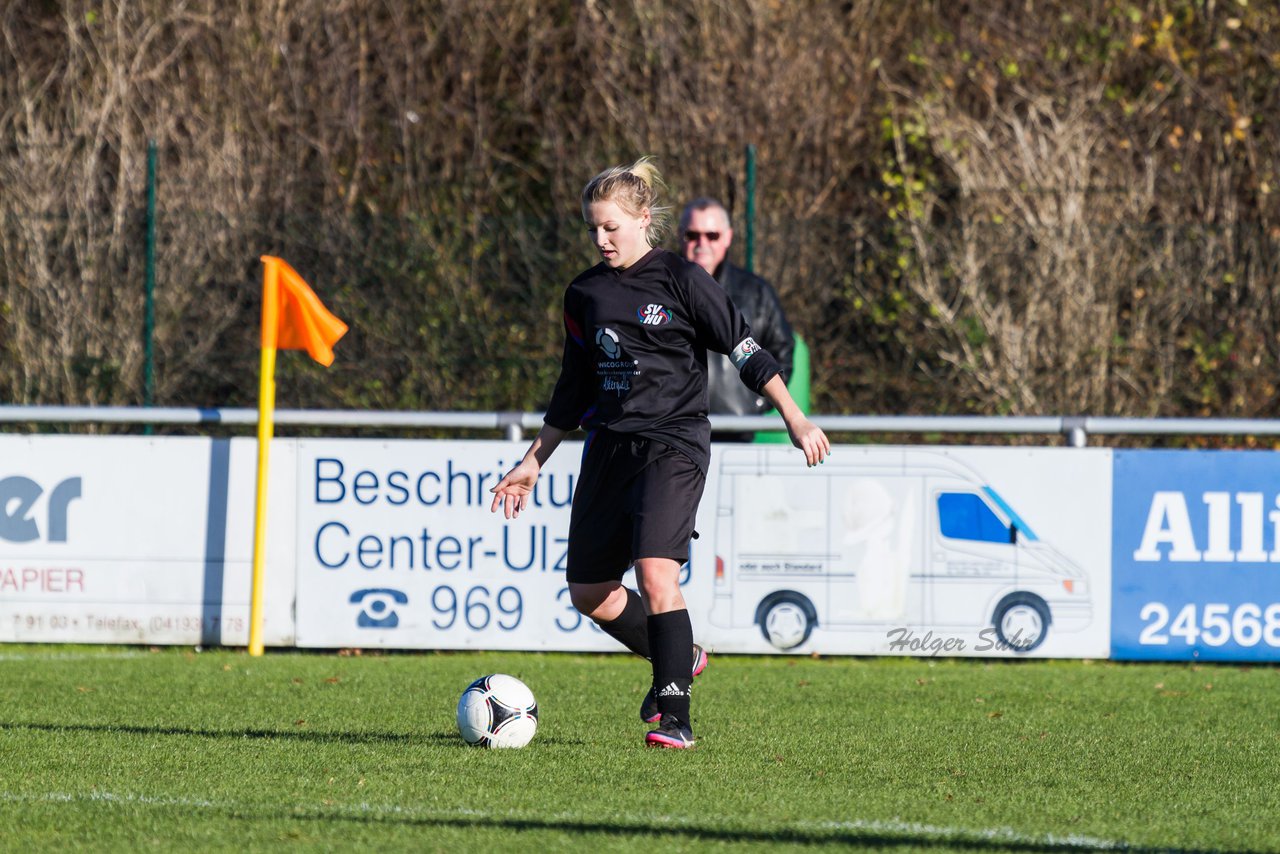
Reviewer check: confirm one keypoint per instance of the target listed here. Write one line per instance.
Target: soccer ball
(497, 711)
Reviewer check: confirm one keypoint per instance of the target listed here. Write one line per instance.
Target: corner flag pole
(266, 429)
(293, 318)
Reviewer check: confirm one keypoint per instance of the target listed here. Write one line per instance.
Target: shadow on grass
(447, 739)
(869, 837)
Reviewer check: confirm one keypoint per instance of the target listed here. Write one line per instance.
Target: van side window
(965, 516)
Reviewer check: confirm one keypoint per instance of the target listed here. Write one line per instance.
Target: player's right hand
(513, 491)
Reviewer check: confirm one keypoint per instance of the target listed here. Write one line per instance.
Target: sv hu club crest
(653, 314)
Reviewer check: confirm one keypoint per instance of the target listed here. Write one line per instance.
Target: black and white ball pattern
(497, 711)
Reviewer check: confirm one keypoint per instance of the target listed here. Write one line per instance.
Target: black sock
(631, 627)
(671, 639)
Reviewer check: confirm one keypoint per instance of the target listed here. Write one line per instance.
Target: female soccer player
(638, 326)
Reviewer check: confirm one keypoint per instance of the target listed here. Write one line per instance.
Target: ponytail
(633, 188)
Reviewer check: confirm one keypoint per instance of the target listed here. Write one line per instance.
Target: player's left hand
(809, 438)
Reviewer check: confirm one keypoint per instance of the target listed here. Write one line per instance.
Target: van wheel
(786, 619)
(1021, 621)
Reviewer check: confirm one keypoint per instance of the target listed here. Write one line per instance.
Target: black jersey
(635, 352)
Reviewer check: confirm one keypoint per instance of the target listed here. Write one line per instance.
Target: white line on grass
(987, 834)
(107, 797)
(893, 827)
(72, 656)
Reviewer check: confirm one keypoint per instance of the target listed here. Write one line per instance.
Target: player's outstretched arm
(805, 435)
(513, 491)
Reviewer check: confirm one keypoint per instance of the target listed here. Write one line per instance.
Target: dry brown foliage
(997, 207)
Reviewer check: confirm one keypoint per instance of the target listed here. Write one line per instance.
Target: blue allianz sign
(1196, 556)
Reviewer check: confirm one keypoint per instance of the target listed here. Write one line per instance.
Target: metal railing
(1075, 429)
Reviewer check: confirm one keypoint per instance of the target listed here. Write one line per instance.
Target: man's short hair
(704, 203)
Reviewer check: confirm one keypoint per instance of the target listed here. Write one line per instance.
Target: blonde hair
(633, 188)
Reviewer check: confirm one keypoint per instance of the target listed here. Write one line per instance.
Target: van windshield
(966, 516)
(1022, 526)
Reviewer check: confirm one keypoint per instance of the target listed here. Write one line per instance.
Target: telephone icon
(378, 607)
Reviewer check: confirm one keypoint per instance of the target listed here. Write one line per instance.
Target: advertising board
(908, 550)
(1196, 556)
(396, 547)
(1171, 555)
(136, 540)
(879, 550)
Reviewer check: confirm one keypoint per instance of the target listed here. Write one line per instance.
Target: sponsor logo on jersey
(607, 341)
(614, 369)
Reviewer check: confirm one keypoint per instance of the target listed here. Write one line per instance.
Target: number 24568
(1213, 624)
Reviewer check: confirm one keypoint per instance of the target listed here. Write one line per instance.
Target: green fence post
(749, 260)
(149, 316)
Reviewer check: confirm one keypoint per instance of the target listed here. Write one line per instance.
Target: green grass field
(127, 749)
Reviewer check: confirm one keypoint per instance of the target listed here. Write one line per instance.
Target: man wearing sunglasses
(705, 235)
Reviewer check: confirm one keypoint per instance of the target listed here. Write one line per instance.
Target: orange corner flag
(293, 318)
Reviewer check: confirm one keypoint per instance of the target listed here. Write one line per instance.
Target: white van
(888, 536)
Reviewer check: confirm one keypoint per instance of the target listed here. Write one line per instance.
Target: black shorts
(635, 498)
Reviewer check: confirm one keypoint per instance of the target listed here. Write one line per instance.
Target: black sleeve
(775, 333)
(573, 393)
(723, 329)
